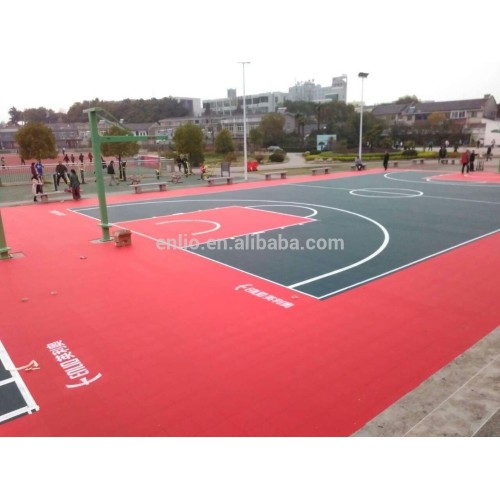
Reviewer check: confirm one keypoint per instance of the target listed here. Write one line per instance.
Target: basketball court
(299, 307)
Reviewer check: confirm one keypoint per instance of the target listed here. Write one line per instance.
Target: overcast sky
(55, 53)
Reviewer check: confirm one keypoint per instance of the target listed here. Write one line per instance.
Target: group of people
(467, 159)
(72, 158)
(61, 173)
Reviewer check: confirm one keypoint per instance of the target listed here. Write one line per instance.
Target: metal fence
(18, 175)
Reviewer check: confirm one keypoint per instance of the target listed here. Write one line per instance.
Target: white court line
(232, 200)
(256, 207)
(216, 224)
(31, 406)
(409, 264)
(461, 199)
(381, 248)
(186, 249)
(439, 183)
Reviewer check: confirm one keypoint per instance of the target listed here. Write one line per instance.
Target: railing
(17, 175)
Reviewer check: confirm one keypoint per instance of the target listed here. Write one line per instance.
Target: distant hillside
(130, 110)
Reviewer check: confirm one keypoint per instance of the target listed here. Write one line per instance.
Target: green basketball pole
(4, 249)
(101, 194)
(97, 140)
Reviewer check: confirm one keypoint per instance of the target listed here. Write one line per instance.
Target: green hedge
(394, 156)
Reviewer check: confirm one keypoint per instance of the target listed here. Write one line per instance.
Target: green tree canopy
(407, 99)
(42, 115)
(188, 140)
(36, 140)
(271, 126)
(256, 137)
(224, 143)
(15, 116)
(132, 110)
(119, 149)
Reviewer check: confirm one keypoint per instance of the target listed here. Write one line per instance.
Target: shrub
(410, 153)
(231, 157)
(260, 157)
(278, 156)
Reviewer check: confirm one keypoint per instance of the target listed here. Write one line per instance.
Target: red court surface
(134, 341)
(489, 177)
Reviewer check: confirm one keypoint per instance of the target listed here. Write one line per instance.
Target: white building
(268, 102)
(313, 92)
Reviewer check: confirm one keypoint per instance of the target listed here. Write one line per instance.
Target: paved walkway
(462, 399)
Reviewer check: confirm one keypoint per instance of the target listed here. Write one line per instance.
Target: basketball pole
(97, 141)
(99, 179)
(4, 249)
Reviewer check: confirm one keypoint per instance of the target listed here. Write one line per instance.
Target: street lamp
(244, 123)
(362, 76)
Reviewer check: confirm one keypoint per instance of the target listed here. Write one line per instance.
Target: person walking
(178, 160)
(81, 159)
(464, 160)
(488, 153)
(111, 173)
(386, 160)
(36, 186)
(185, 165)
(442, 154)
(74, 184)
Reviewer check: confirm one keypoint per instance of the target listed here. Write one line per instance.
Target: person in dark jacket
(472, 158)
(61, 171)
(74, 184)
(386, 160)
(111, 173)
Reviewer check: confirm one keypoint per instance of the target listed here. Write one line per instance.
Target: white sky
(55, 53)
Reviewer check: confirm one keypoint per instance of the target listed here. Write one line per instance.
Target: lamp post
(244, 123)
(362, 76)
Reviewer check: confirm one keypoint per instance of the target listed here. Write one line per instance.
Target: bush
(259, 157)
(231, 157)
(196, 159)
(409, 153)
(278, 156)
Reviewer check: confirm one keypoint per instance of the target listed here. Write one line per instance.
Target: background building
(312, 92)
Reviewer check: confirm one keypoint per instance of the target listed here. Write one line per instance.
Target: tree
(36, 140)
(271, 127)
(119, 149)
(224, 142)
(407, 99)
(15, 116)
(436, 119)
(256, 137)
(188, 140)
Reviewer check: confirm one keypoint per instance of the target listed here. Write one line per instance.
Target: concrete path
(462, 399)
